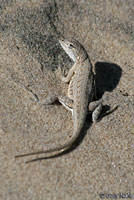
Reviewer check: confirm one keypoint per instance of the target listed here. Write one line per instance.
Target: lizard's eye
(71, 46)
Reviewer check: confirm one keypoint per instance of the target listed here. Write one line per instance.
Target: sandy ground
(102, 162)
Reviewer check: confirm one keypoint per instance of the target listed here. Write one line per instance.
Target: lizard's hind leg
(96, 108)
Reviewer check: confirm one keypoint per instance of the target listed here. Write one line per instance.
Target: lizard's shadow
(107, 78)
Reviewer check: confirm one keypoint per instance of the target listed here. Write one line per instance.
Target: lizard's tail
(60, 148)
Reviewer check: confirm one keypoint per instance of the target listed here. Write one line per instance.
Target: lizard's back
(82, 83)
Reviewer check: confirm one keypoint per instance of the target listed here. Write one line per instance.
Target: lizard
(81, 91)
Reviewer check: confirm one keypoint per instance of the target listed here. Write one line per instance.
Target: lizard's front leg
(70, 74)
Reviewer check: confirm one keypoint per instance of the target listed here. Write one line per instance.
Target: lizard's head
(74, 49)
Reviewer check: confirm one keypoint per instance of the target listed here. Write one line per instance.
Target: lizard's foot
(109, 111)
(62, 74)
(50, 99)
(96, 108)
